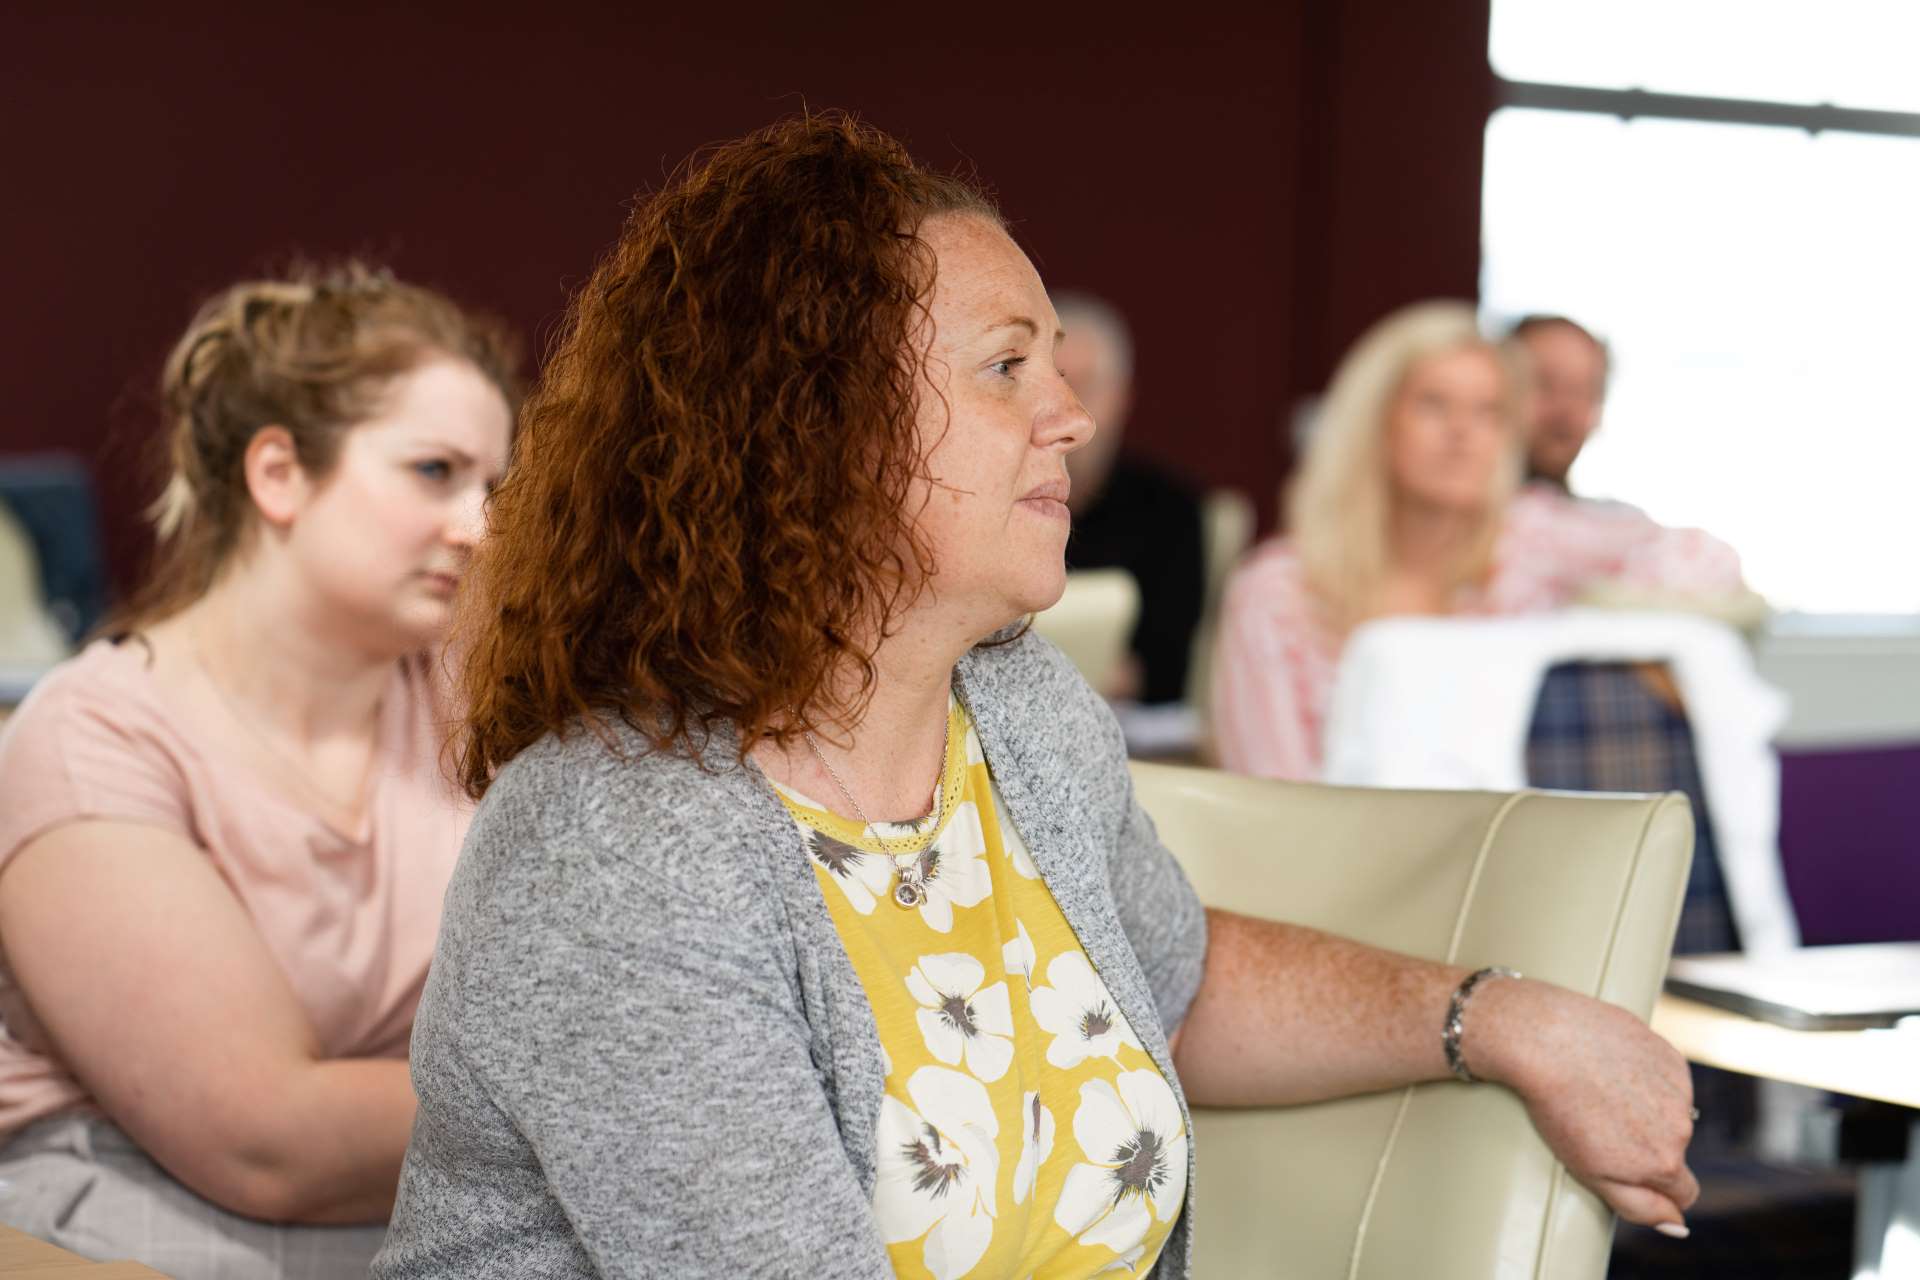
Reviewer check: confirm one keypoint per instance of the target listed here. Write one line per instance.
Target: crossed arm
(159, 994)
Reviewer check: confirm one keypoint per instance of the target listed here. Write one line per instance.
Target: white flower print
(1018, 954)
(959, 1018)
(1128, 1261)
(938, 1169)
(1135, 1142)
(1080, 1014)
(955, 872)
(863, 877)
(886, 1062)
(1036, 1144)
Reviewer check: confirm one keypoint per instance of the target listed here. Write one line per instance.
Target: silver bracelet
(1456, 1025)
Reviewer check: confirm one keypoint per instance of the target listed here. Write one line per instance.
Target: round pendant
(908, 894)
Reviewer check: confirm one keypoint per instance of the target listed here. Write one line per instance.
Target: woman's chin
(424, 625)
(1043, 593)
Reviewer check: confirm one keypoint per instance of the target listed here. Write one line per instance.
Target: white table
(1882, 1065)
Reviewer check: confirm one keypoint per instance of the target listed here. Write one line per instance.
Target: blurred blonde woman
(1407, 502)
(224, 829)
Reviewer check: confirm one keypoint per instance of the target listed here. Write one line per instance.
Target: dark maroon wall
(1250, 192)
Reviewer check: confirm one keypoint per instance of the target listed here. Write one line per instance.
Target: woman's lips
(1049, 508)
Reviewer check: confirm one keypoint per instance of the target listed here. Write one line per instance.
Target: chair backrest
(52, 496)
(1227, 520)
(1453, 702)
(1093, 621)
(30, 640)
(1226, 517)
(1439, 1181)
(1847, 819)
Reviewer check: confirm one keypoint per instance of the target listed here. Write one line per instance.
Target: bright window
(1760, 286)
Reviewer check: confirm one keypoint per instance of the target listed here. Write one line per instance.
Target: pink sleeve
(1682, 562)
(1261, 724)
(68, 754)
(1560, 546)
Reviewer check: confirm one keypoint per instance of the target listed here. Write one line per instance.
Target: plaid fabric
(77, 1181)
(1600, 727)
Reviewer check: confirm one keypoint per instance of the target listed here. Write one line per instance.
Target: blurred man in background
(1129, 514)
(1570, 367)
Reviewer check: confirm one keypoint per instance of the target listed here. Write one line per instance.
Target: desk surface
(1883, 1065)
(24, 1258)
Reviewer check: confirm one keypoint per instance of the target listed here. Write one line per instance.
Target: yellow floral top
(1024, 1131)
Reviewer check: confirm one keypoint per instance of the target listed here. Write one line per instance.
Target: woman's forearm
(324, 1146)
(157, 990)
(1288, 1015)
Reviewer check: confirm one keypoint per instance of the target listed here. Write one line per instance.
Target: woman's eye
(434, 469)
(1006, 367)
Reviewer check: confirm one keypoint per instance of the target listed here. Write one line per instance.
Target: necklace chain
(911, 888)
(939, 797)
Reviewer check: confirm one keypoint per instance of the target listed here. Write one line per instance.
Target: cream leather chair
(1440, 1181)
(30, 640)
(1093, 620)
(1227, 519)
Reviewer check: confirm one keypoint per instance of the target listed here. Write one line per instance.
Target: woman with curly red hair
(809, 924)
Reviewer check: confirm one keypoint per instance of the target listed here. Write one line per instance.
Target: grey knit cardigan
(642, 1050)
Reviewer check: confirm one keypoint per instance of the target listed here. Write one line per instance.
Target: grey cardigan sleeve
(614, 1065)
(1161, 914)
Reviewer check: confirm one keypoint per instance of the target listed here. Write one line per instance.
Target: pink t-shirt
(1278, 652)
(350, 917)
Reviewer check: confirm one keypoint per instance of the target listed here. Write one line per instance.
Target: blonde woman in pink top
(1406, 503)
(224, 831)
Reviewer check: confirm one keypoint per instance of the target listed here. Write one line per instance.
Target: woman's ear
(276, 481)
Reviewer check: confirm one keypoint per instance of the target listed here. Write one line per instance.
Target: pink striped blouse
(1274, 671)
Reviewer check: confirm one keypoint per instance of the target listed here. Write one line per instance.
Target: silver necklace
(911, 890)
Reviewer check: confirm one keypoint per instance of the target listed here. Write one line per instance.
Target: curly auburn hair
(707, 522)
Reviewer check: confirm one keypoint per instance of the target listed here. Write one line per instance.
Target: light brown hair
(312, 352)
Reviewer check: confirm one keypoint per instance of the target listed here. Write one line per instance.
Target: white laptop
(1812, 989)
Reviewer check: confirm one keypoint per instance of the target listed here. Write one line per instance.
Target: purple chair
(1850, 842)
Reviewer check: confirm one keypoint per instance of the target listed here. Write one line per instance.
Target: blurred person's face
(996, 512)
(1447, 435)
(1092, 369)
(1568, 387)
(384, 538)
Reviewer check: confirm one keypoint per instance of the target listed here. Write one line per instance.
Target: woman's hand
(1611, 1098)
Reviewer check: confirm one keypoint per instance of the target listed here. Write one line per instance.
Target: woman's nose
(468, 522)
(1066, 424)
